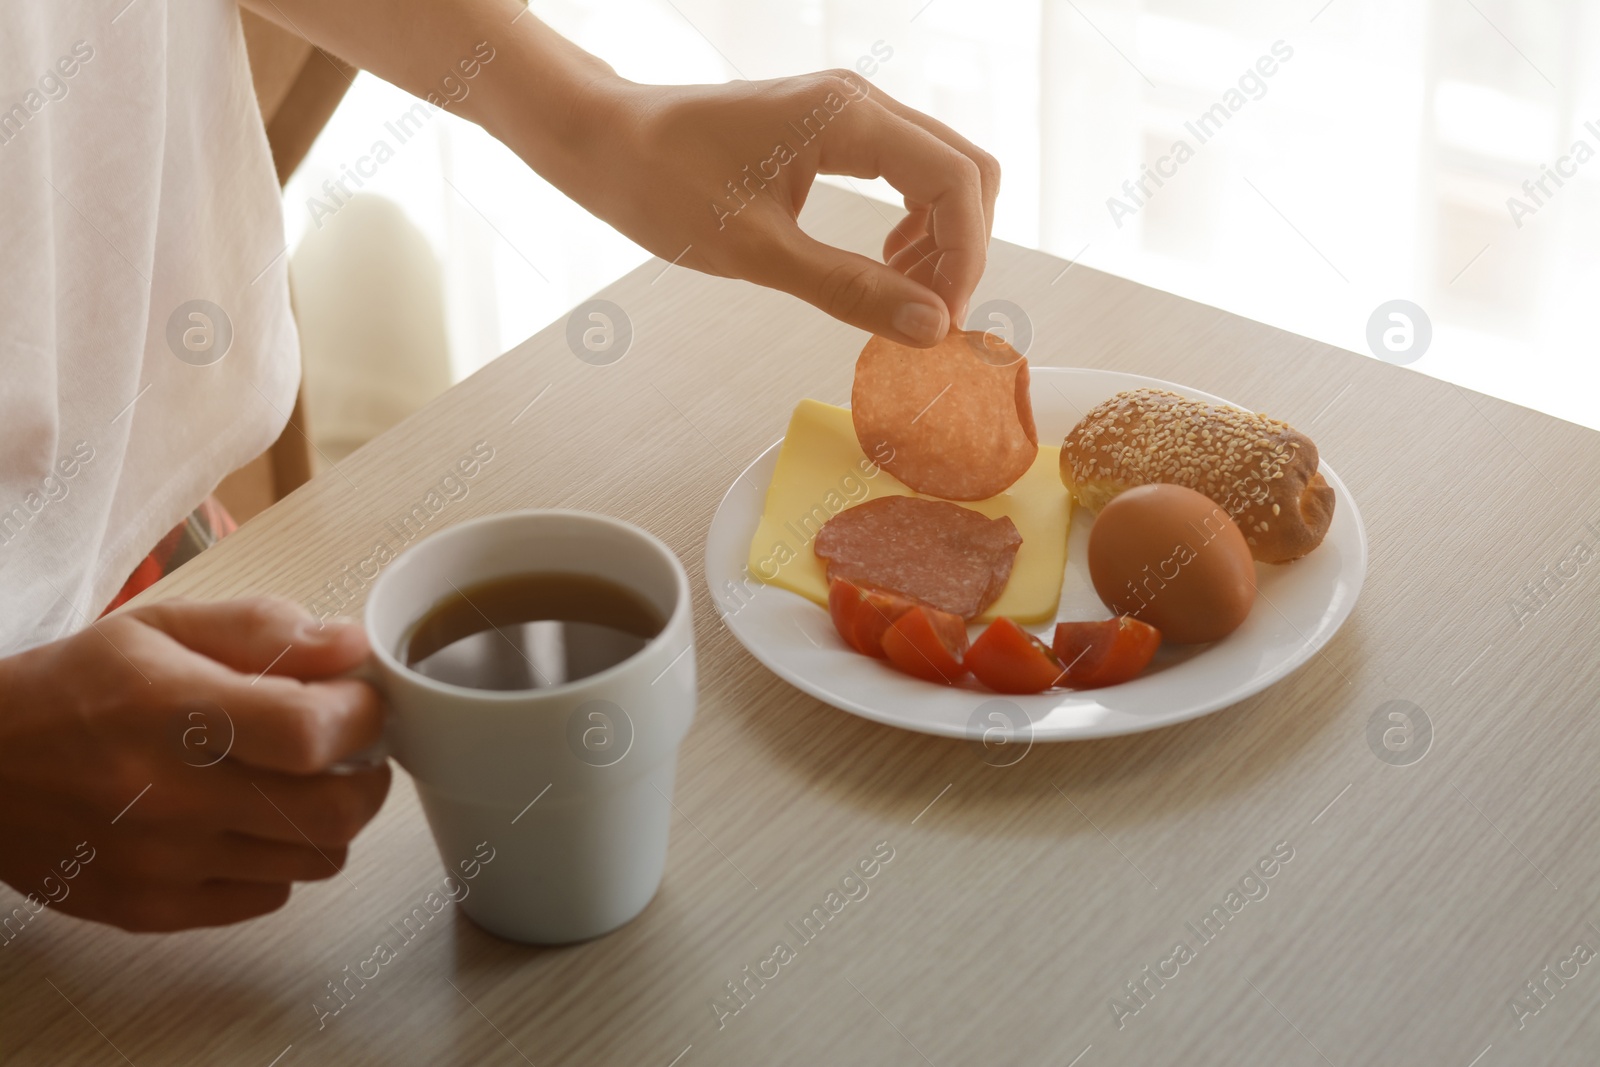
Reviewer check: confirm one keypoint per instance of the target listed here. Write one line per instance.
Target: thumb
(858, 290)
(261, 635)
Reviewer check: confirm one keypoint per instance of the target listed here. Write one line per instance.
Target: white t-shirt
(135, 181)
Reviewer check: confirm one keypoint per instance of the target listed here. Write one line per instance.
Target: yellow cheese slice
(821, 471)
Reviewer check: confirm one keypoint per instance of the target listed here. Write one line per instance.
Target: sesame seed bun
(1260, 470)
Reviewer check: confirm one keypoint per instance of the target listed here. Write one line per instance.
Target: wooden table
(1020, 901)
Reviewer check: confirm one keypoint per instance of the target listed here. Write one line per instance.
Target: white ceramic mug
(571, 785)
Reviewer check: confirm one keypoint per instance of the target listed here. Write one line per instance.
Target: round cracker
(952, 421)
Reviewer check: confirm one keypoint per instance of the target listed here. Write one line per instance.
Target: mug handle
(375, 754)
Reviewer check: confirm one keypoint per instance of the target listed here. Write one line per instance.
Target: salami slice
(942, 554)
(952, 421)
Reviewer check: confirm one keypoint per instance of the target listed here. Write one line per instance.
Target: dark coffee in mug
(530, 631)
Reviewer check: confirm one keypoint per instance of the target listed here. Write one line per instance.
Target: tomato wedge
(1008, 659)
(928, 643)
(1105, 653)
(863, 615)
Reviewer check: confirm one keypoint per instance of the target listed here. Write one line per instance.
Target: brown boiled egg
(1171, 557)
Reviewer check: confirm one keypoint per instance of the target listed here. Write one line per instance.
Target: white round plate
(1300, 606)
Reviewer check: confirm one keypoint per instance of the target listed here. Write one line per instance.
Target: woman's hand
(706, 176)
(714, 176)
(166, 767)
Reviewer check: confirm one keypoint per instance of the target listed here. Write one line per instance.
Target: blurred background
(1383, 158)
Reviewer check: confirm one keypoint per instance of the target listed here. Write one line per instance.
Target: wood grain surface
(1021, 903)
